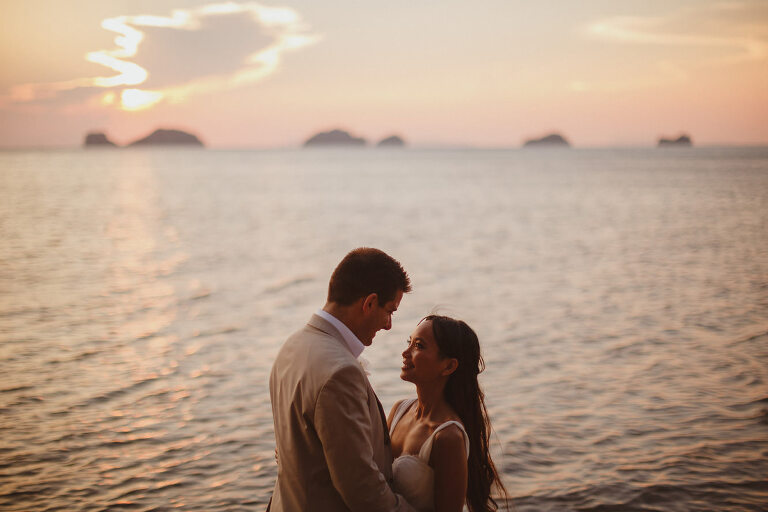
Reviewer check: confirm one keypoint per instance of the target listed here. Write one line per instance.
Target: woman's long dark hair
(456, 339)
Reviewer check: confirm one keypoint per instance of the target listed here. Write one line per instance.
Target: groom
(330, 430)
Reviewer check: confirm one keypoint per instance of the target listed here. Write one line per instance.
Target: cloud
(212, 48)
(706, 35)
(737, 28)
(221, 45)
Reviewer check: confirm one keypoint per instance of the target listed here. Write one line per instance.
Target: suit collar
(327, 327)
(350, 338)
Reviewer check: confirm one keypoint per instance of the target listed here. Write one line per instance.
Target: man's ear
(453, 364)
(370, 302)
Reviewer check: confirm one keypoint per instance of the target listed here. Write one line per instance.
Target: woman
(440, 439)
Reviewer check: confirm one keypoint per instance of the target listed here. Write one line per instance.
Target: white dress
(413, 478)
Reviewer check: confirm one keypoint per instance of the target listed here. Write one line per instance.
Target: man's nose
(388, 325)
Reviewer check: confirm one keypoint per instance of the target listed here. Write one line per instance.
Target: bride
(440, 439)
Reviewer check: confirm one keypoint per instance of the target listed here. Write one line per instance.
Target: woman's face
(422, 361)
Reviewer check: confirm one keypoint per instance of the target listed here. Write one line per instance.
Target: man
(330, 430)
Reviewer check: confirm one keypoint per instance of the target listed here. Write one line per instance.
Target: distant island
(551, 140)
(165, 137)
(392, 141)
(160, 137)
(334, 138)
(98, 139)
(683, 140)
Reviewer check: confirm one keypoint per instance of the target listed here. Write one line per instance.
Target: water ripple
(620, 297)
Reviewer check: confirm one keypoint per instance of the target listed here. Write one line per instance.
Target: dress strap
(404, 405)
(426, 448)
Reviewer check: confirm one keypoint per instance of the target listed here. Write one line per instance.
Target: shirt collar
(355, 345)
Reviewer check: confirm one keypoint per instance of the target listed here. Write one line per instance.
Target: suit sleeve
(343, 424)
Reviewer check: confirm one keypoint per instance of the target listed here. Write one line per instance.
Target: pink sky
(242, 74)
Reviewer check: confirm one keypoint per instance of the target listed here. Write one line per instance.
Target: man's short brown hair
(365, 271)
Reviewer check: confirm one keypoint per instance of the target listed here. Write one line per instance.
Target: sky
(492, 73)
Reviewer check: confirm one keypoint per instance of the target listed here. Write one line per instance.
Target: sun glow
(108, 99)
(136, 99)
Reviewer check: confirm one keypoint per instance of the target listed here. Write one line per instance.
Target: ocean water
(620, 296)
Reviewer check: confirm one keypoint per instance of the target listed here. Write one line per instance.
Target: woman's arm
(449, 462)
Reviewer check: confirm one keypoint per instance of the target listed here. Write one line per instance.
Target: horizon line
(429, 146)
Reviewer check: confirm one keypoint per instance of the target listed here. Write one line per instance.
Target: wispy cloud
(736, 27)
(172, 58)
(720, 32)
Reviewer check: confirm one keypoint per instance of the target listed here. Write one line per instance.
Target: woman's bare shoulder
(393, 411)
(450, 439)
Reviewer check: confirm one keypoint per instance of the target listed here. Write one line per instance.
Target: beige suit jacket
(331, 433)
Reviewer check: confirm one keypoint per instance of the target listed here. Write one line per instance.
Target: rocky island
(160, 137)
(334, 138)
(98, 140)
(683, 140)
(166, 137)
(391, 142)
(551, 140)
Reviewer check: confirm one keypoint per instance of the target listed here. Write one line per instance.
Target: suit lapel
(322, 324)
(383, 420)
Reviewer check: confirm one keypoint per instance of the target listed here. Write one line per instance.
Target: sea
(620, 297)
